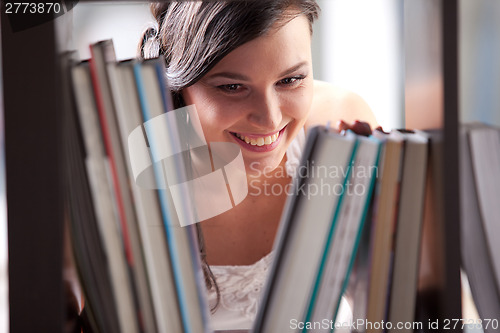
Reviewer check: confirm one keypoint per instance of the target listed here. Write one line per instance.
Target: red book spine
(109, 150)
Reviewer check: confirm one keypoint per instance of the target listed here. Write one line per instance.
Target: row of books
(357, 208)
(365, 222)
(353, 226)
(139, 269)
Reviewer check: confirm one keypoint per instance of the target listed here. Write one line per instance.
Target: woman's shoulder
(332, 103)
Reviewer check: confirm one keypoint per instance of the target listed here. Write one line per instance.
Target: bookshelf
(33, 135)
(32, 113)
(431, 90)
(451, 297)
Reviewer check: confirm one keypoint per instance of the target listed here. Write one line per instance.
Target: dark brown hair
(193, 36)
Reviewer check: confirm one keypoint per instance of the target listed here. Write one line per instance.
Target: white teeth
(259, 141)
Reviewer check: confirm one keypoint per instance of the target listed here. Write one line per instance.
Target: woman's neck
(246, 233)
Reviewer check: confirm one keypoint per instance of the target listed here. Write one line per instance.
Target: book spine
(101, 53)
(326, 251)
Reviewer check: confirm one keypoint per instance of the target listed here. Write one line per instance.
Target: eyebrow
(293, 69)
(241, 77)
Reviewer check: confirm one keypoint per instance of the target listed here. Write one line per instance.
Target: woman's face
(259, 95)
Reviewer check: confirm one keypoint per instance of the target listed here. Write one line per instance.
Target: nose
(265, 111)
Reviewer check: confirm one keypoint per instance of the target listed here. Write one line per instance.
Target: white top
(241, 286)
(240, 291)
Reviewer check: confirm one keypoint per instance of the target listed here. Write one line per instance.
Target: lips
(259, 142)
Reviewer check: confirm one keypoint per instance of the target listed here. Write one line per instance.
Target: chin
(257, 167)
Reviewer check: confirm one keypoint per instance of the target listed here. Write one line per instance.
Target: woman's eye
(289, 81)
(230, 88)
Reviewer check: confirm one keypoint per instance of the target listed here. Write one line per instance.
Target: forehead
(285, 45)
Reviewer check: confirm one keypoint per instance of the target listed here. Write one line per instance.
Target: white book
(302, 236)
(339, 256)
(150, 220)
(403, 292)
(485, 152)
(384, 223)
(182, 241)
(476, 257)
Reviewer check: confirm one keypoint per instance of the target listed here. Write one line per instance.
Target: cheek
(214, 113)
(298, 105)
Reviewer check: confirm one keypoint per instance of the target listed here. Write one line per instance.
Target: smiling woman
(247, 67)
(261, 90)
